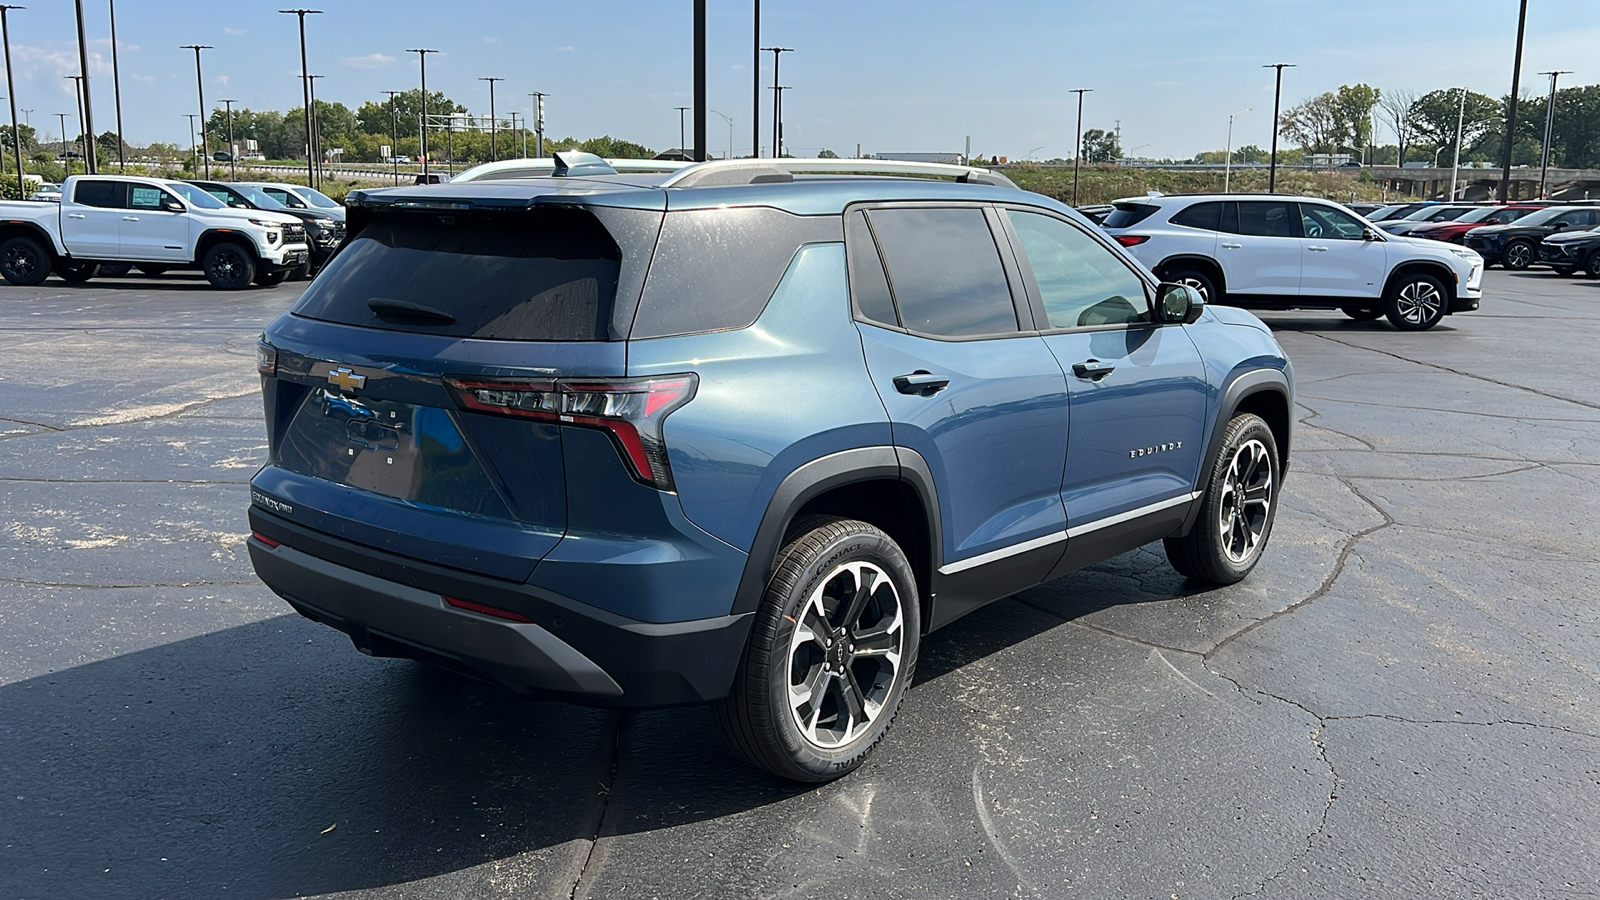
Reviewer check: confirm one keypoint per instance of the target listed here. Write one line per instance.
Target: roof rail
(726, 172)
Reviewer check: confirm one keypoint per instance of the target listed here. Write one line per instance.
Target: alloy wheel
(20, 262)
(1419, 302)
(1198, 285)
(1519, 256)
(1246, 502)
(844, 656)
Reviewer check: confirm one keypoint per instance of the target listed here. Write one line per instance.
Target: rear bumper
(393, 606)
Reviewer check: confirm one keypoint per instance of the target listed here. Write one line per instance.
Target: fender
(817, 477)
(1210, 262)
(1245, 384)
(1439, 269)
(10, 228)
(215, 235)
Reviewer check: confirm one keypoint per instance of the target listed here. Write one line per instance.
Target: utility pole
(681, 110)
(755, 85)
(233, 165)
(777, 93)
(1455, 166)
(422, 61)
(116, 89)
(729, 119)
(538, 122)
(1511, 111)
(194, 149)
(1077, 142)
(1549, 133)
(777, 118)
(1227, 164)
(494, 144)
(699, 80)
(1277, 98)
(67, 163)
(77, 94)
(89, 162)
(394, 137)
(316, 127)
(305, 87)
(200, 86)
(11, 94)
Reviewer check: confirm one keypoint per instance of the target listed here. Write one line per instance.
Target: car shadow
(270, 760)
(165, 283)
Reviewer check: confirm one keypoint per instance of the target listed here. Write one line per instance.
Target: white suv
(1268, 251)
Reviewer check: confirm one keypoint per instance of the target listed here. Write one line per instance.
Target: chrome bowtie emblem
(346, 379)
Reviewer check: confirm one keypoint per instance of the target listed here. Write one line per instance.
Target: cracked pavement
(1400, 701)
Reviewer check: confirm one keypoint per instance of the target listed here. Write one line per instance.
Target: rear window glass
(518, 276)
(104, 194)
(1126, 215)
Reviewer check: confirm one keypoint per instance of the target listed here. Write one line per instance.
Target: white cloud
(565, 49)
(145, 78)
(491, 40)
(233, 31)
(222, 80)
(370, 61)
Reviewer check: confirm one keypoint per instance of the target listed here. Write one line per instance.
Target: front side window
(144, 197)
(286, 198)
(1330, 224)
(945, 270)
(1081, 283)
(1268, 218)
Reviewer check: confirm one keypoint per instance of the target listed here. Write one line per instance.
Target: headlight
(1466, 254)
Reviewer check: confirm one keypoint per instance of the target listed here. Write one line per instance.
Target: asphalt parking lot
(1400, 702)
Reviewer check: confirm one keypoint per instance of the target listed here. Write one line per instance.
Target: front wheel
(24, 262)
(1416, 302)
(1363, 313)
(1518, 256)
(1593, 265)
(229, 267)
(1237, 511)
(76, 271)
(830, 654)
(271, 279)
(115, 270)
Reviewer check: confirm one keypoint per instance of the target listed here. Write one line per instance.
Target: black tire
(821, 566)
(1363, 313)
(1195, 278)
(115, 270)
(1519, 255)
(301, 272)
(150, 270)
(1229, 536)
(271, 279)
(76, 271)
(1592, 266)
(24, 262)
(1564, 271)
(1416, 302)
(229, 266)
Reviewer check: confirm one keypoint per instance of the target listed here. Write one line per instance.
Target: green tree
(1434, 118)
(1249, 153)
(827, 154)
(1352, 114)
(1101, 146)
(107, 145)
(373, 116)
(1314, 123)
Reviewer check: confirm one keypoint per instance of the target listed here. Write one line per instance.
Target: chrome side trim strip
(1045, 541)
(1132, 514)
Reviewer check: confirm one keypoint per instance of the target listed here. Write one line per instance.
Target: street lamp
(1549, 132)
(394, 137)
(116, 89)
(755, 84)
(194, 149)
(315, 140)
(1077, 142)
(1511, 109)
(200, 86)
(494, 144)
(1032, 150)
(1461, 119)
(86, 116)
(77, 93)
(67, 163)
(777, 94)
(681, 110)
(233, 166)
(11, 92)
(422, 140)
(729, 120)
(1227, 166)
(305, 87)
(538, 121)
(1277, 97)
(777, 118)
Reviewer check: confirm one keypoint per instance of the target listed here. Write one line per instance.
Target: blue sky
(891, 75)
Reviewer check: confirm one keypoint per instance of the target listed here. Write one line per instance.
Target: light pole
(200, 87)
(86, 115)
(116, 89)
(1455, 166)
(1511, 110)
(538, 122)
(729, 120)
(233, 166)
(316, 126)
(1077, 142)
(77, 93)
(67, 163)
(394, 137)
(1277, 98)
(11, 93)
(422, 140)
(777, 94)
(777, 118)
(494, 144)
(1227, 167)
(1549, 132)
(755, 84)
(194, 149)
(681, 110)
(305, 87)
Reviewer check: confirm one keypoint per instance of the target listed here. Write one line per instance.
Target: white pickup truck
(151, 223)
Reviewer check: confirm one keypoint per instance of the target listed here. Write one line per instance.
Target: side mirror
(1178, 304)
(173, 206)
(1560, 225)
(1370, 234)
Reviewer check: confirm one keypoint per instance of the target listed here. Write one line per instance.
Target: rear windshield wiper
(388, 308)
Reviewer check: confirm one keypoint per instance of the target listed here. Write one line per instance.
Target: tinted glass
(945, 270)
(1201, 215)
(1579, 218)
(715, 269)
(1081, 283)
(514, 276)
(194, 194)
(1327, 223)
(1268, 218)
(286, 198)
(143, 197)
(1542, 217)
(104, 194)
(317, 198)
(869, 286)
(1129, 214)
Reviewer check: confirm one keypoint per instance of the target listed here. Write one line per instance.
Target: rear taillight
(1132, 240)
(266, 358)
(631, 410)
(265, 540)
(485, 609)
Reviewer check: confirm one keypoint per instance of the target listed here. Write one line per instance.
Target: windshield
(317, 198)
(258, 197)
(1435, 214)
(1478, 215)
(1545, 215)
(195, 195)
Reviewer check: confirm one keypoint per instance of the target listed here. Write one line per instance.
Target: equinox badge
(345, 378)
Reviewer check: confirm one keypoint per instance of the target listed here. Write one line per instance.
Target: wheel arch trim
(1246, 384)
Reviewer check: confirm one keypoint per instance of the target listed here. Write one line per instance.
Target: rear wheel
(229, 267)
(1196, 278)
(24, 262)
(1363, 313)
(1593, 265)
(76, 271)
(1238, 509)
(1416, 302)
(1564, 271)
(1518, 256)
(833, 647)
(151, 270)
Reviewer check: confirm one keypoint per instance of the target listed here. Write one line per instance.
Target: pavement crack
(1463, 722)
(28, 423)
(592, 829)
(1315, 414)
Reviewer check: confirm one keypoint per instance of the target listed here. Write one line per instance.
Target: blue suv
(742, 433)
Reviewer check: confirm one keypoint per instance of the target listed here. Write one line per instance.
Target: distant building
(950, 158)
(1330, 160)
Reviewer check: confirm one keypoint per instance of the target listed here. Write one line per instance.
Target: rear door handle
(1093, 369)
(921, 383)
(130, 218)
(76, 216)
(1233, 246)
(1315, 249)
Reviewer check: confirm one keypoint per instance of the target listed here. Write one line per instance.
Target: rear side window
(104, 194)
(1126, 215)
(945, 269)
(1201, 215)
(549, 276)
(869, 286)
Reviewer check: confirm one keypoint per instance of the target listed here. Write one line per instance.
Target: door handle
(1233, 246)
(921, 383)
(76, 216)
(1093, 369)
(1316, 249)
(130, 218)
